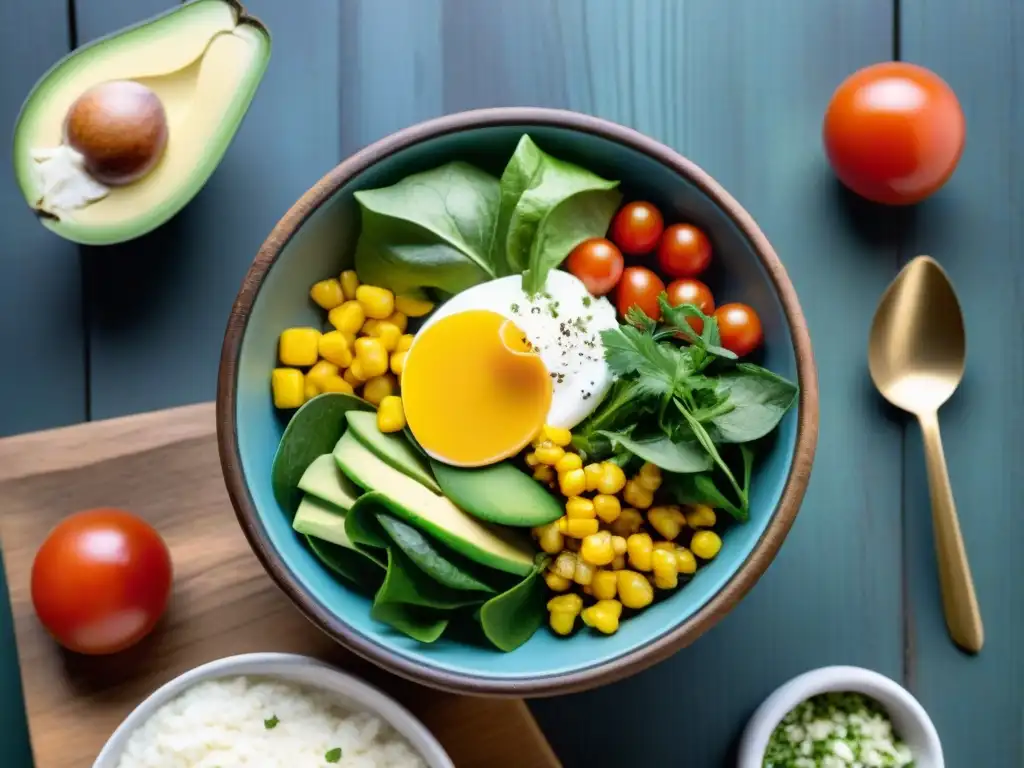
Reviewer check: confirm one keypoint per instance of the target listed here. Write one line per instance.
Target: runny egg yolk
(475, 392)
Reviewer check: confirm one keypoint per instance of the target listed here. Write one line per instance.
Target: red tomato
(894, 132)
(684, 251)
(692, 292)
(739, 327)
(637, 227)
(101, 580)
(598, 263)
(639, 286)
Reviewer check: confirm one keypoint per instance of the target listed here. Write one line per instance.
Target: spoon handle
(959, 602)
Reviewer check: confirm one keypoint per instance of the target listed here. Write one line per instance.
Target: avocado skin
(499, 493)
(393, 449)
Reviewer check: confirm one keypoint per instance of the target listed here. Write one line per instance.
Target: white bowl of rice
(272, 710)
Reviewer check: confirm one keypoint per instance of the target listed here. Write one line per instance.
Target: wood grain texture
(975, 229)
(164, 467)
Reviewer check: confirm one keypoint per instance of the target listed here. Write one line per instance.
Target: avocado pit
(119, 128)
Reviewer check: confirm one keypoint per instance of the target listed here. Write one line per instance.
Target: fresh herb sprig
(680, 406)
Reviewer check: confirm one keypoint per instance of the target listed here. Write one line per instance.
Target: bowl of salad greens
(516, 402)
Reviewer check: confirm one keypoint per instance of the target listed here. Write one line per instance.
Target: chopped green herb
(333, 755)
(515, 308)
(271, 722)
(587, 301)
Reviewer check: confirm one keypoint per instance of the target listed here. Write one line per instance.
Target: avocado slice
(394, 449)
(499, 493)
(323, 520)
(325, 480)
(203, 61)
(502, 549)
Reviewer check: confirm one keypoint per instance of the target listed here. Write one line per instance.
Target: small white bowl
(349, 692)
(910, 722)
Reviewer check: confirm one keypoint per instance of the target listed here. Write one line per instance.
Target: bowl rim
(630, 662)
(271, 664)
(841, 678)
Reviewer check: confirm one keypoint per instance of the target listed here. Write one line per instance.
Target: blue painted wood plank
(159, 304)
(975, 228)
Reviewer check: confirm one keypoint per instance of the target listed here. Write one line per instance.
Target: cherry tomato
(101, 580)
(694, 292)
(598, 263)
(740, 328)
(684, 251)
(894, 132)
(637, 227)
(639, 286)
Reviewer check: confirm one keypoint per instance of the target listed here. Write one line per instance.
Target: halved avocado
(203, 61)
(392, 448)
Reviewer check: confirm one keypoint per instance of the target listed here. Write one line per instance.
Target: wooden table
(740, 87)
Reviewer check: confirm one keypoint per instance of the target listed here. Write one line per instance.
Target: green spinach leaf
(700, 488)
(364, 572)
(547, 207)
(313, 430)
(662, 451)
(364, 530)
(406, 583)
(510, 619)
(431, 229)
(759, 400)
(419, 623)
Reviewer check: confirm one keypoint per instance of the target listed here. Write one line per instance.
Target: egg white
(564, 324)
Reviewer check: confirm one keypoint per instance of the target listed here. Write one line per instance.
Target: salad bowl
(317, 237)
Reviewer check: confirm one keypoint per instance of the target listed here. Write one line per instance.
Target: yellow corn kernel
(549, 453)
(565, 564)
(572, 545)
(618, 563)
(603, 616)
(550, 538)
(310, 390)
(663, 563)
(413, 307)
(398, 362)
(561, 623)
(351, 377)
(629, 521)
(347, 317)
(298, 346)
(391, 414)
(287, 386)
(705, 544)
(618, 545)
(404, 343)
(584, 572)
(596, 548)
(349, 283)
(389, 334)
(571, 483)
(376, 302)
(379, 387)
(686, 563)
(531, 459)
(649, 477)
(637, 496)
(334, 347)
(544, 474)
(369, 327)
(371, 356)
(603, 585)
(336, 384)
(593, 474)
(563, 611)
(321, 371)
(639, 548)
(700, 516)
(667, 521)
(579, 508)
(668, 546)
(327, 293)
(357, 371)
(397, 319)
(568, 462)
(612, 479)
(635, 591)
(577, 528)
(350, 338)
(607, 507)
(555, 582)
(560, 436)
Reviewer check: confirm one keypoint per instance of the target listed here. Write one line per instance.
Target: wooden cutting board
(164, 466)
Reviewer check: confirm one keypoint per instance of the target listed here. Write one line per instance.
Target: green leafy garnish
(333, 755)
(271, 722)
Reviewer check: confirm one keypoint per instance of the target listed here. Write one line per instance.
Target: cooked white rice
(251, 721)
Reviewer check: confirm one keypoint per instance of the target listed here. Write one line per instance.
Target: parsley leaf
(271, 722)
(333, 755)
(632, 352)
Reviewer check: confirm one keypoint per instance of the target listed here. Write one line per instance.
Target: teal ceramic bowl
(316, 239)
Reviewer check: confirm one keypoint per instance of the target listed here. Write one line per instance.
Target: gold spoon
(916, 355)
